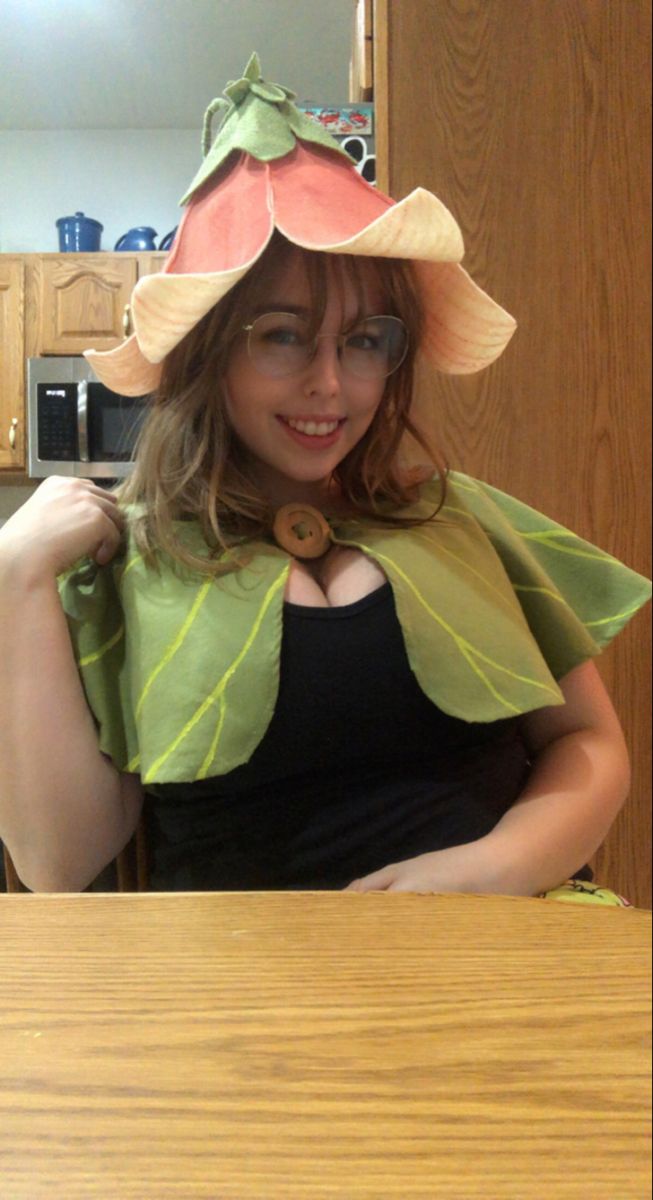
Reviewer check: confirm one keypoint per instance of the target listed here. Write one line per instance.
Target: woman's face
(292, 462)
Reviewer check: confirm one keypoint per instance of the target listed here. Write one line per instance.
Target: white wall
(121, 178)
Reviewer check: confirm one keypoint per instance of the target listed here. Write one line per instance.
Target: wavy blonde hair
(190, 465)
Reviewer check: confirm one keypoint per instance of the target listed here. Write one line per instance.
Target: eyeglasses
(281, 344)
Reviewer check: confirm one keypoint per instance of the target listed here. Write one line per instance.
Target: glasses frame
(340, 338)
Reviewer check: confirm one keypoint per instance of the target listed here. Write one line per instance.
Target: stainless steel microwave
(76, 425)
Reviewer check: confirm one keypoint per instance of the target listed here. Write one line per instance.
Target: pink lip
(313, 441)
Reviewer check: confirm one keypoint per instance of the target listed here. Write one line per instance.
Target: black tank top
(357, 769)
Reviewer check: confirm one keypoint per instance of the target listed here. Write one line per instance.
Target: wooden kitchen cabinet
(58, 304)
(531, 122)
(78, 301)
(12, 366)
(361, 65)
(151, 264)
(81, 301)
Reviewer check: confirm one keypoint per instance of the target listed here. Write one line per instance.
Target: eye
(281, 335)
(367, 339)
(281, 330)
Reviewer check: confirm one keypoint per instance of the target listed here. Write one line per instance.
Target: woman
(311, 663)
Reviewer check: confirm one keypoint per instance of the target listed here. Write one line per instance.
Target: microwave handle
(82, 420)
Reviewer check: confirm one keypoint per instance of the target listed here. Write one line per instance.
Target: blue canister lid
(79, 216)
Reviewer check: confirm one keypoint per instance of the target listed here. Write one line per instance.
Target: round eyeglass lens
(281, 344)
(375, 348)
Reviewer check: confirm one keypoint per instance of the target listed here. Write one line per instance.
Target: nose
(324, 372)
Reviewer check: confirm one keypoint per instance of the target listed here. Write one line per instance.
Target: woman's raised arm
(65, 811)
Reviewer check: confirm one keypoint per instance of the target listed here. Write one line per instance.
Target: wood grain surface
(531, 121)
(311, 1045)
(12, 365)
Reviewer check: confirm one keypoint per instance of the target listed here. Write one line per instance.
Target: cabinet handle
(126, 321)
(12, 432)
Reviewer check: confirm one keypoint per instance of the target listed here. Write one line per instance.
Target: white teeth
(312, 429)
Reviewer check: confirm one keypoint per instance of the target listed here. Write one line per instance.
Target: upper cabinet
(12, 366)
(58, 304)
(361, 78)
(79, 301)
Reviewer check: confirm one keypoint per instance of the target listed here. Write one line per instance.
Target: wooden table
(277, 1046)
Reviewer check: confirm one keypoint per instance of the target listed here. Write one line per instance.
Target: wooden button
(302, 531)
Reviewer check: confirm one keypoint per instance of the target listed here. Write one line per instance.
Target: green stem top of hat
(260, 119)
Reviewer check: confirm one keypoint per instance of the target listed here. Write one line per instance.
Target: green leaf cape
(496, 603)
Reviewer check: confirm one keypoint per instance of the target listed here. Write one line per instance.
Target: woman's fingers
(379, 881)
(62, 522)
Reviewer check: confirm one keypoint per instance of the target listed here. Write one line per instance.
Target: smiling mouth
(315, 429)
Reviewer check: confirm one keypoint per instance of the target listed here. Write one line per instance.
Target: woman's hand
(466, 868)
(578, 782)
(62, 522)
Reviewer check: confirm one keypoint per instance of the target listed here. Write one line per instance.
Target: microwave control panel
(57, 422)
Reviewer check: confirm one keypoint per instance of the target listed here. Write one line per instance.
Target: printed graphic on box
(341, 119)
(353, 126)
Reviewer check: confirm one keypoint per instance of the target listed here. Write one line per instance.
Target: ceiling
(156, 64)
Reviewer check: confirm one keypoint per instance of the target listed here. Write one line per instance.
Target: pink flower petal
(227, 224)
(320, 199)
(312, 196)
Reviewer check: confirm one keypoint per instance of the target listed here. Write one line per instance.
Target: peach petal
(418, 227)
(125, 369)
(465, 330)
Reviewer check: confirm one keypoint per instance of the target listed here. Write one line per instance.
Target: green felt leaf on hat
(237, 90)
(270, 91)
(259, 119)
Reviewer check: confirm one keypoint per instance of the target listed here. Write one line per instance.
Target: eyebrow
(298, 310)
(280, 307)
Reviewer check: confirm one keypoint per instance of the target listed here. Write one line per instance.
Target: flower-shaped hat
(269, 167)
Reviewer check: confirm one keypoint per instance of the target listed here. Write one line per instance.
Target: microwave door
(110, 425)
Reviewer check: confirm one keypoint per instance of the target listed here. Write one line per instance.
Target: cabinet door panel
(12, 365)
(82, 302)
